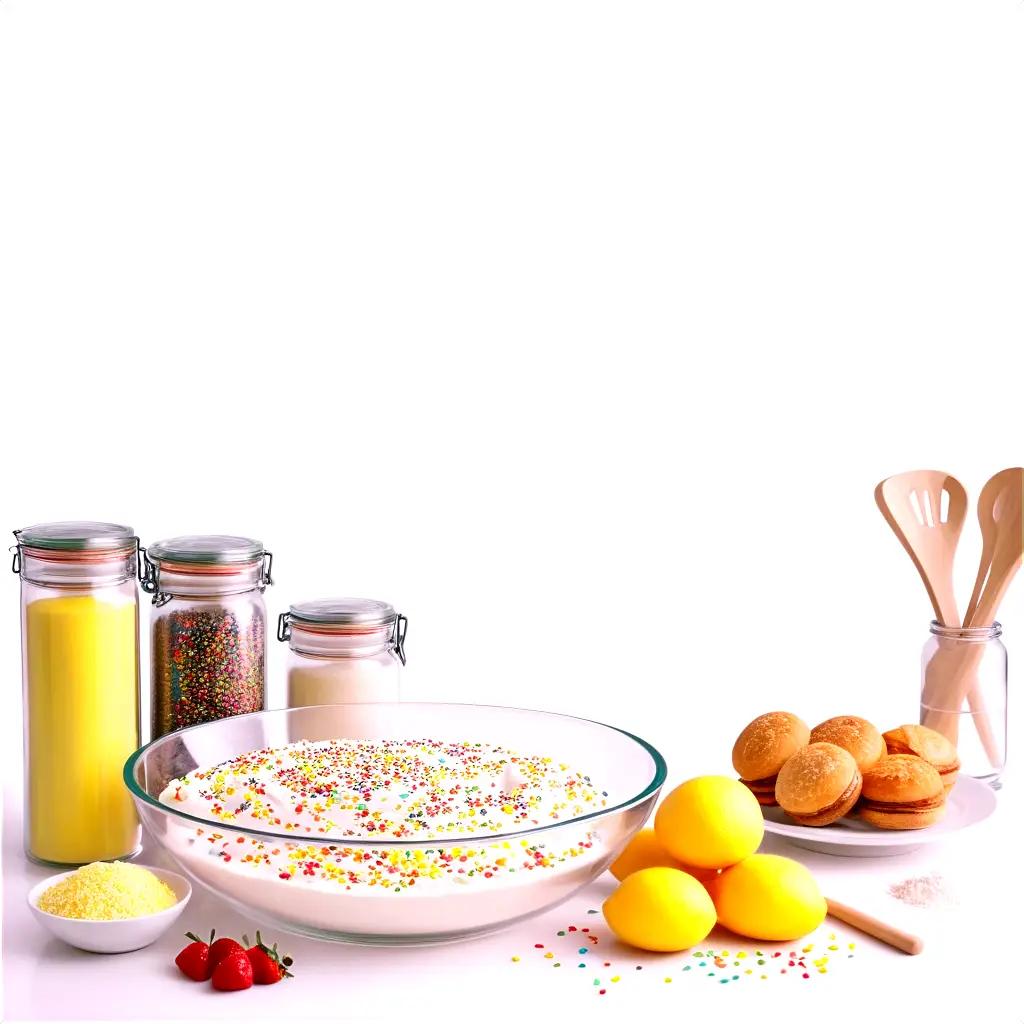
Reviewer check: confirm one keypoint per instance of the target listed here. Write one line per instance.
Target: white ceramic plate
(969, 802)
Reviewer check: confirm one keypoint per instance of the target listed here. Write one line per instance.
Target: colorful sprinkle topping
(392, 790)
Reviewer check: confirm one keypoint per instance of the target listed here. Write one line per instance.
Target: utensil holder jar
(963, 695)
(80, 677)
(209, 637)
(343, 651)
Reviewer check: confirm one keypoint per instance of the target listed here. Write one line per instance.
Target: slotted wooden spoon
(952, 677)
(912, 504)
(928, 528)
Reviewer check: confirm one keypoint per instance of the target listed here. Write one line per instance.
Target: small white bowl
(112, 936)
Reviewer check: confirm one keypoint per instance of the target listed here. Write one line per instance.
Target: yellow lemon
(643, 851)
(710, 822)
(662, 909)
(768, 897)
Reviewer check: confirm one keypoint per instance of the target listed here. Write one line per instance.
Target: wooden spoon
(905, 941)
(912, 506)
(1002, 530)
(999, 513)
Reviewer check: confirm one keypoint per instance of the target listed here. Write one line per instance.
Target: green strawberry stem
(271, 951)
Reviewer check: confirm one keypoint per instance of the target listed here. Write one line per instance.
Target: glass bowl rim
(660, 775)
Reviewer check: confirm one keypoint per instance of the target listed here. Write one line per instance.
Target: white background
(581, 332)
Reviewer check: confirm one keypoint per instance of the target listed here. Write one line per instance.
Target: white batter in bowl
(395, 823)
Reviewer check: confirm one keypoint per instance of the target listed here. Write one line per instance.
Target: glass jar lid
(345, 615)
(343, 611)
(206, 549)
(201, 555)
(77, 536)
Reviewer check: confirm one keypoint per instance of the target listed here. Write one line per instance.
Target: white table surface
(973, 952)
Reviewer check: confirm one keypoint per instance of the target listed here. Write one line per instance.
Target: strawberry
(234, 972)
(268, 966)
(222, 948)
(194, 960)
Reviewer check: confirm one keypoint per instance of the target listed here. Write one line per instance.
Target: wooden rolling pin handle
(904, 941)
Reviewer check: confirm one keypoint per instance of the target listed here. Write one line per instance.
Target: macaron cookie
(902, 791)
(763, 747)
(927, 744)
(857, 736)
(819, 784)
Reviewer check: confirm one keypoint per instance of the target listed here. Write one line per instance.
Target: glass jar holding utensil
(963, 695)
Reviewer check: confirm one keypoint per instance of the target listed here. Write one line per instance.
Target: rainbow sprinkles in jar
(209, 643)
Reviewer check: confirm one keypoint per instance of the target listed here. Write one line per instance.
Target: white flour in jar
(343, 681)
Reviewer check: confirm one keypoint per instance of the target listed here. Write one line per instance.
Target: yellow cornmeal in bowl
(108, 892)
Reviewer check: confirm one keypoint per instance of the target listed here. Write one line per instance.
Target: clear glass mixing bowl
(244, 865)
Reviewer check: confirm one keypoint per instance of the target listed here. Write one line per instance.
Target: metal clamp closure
(284, 627)
(265, 578)
(142, 564)
(398, 637)
(149, 573)
(149, 578)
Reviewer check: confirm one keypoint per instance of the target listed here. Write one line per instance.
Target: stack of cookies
(893, 780)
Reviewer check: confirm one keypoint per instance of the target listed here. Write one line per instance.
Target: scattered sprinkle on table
(797, 963)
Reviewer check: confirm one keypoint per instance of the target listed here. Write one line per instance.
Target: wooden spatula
(955, 677)
(1002, 534)
(926, 510)
(1002, 530)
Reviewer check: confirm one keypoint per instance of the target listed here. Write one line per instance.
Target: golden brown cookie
(855, 735)
(818, 784)
(902, 791)
(763, 747)
(929, 745)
